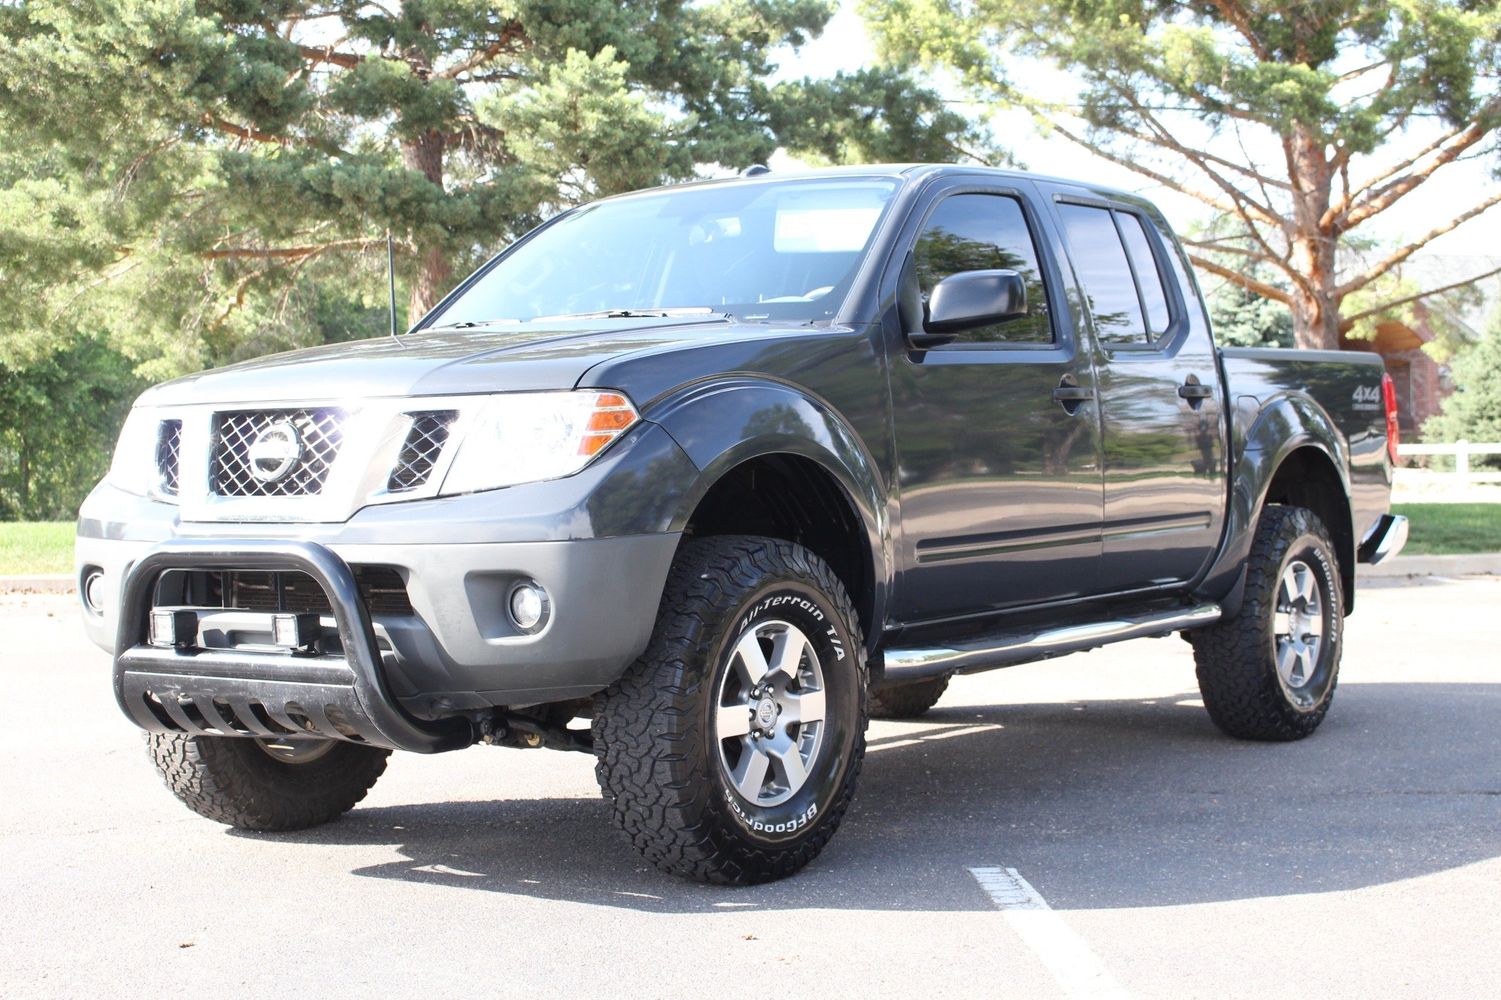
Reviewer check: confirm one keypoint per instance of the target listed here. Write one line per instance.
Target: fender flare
(1285, 424)
(724, 422)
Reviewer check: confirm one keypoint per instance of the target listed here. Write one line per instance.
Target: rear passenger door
(1159, 393)
(999, 481)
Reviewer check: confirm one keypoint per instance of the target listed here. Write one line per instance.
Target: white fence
(1460, 451)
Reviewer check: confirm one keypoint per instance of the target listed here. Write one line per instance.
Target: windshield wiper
(631, 313)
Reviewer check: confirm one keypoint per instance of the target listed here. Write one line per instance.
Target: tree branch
(1347, 322)
(213, 121)
(1235, 14)
(1245, 281)
(290, 253)
(330, 55)
(511, 32)
(1376, 270)
(1383, 198)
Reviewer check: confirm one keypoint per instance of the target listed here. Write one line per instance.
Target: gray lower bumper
(458, 651)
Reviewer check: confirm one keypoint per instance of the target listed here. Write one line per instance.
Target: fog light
(93, 591)
(529, 606)
(174, 627)
(295, 631)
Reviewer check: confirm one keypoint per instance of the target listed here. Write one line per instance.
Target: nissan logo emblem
(274, 452)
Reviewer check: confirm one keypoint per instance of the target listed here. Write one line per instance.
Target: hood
(445, 362)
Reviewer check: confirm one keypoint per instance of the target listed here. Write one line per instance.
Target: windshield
(773, 251)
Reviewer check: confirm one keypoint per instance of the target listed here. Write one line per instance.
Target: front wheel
(1268, 672)
(729, 751)
(269, 785)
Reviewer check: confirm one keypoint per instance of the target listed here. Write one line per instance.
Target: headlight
(133, 469)
(526, 437)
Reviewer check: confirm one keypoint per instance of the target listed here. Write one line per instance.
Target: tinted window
(1100, 262)
(983, 232)
(1148, 278)
(760, 251)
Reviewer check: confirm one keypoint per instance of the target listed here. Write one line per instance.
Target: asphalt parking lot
(1363, 862)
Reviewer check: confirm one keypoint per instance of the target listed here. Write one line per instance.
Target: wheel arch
(1292, 452)
(777, 461)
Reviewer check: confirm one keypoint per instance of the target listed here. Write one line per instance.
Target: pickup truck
(726, 468)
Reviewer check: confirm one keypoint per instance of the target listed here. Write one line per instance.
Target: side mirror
(969, 299)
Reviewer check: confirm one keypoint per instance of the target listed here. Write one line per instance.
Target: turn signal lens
(613, 415)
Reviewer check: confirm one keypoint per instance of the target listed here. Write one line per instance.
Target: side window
(981, 232)
(1104, 272)
(1148, 277)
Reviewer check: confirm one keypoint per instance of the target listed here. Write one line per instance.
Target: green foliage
(1473, 411)
(1241, 318)
(876, 116)
(177, 170)
(57, 424)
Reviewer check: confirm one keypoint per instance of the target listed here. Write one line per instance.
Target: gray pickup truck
(727, 468)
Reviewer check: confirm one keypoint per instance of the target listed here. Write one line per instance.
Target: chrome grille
(234, 432)
(420, 452)
(168, 454)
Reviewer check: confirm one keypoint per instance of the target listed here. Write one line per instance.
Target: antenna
(391, 280)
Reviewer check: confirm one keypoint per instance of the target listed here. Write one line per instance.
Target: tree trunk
(1315, 322)
(425, 155)
(1315, 307)
(25, 470)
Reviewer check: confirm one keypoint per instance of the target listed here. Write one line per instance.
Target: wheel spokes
(770, 712)
(790, 762)
(750, 662)
(803, 706)
(731, 721)
(787, 651)
(749, 775)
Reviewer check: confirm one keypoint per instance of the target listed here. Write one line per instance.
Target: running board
(1007, 650)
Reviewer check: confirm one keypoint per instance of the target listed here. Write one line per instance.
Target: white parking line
(1064, 953)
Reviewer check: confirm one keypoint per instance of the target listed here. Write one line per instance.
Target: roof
(906, 171)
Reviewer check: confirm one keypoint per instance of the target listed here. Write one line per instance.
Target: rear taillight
(1389, 400)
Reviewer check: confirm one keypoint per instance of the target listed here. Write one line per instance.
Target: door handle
(1071, 395)
(1195, 391)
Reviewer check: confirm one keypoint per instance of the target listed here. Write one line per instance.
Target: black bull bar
(230, 692)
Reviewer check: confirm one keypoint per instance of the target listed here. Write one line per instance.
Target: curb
(1479, 564)
(46, 583)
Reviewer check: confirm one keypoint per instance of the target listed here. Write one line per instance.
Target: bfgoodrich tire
(730, 750)
(1269, 671)
(909, 700)
(261, 785)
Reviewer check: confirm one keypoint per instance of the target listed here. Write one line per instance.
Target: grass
(30, 548)
(1441, 529)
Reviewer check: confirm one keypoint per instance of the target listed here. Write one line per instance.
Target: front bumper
(455, 653)
(228, 692)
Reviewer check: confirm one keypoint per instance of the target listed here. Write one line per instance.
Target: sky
(845, 45)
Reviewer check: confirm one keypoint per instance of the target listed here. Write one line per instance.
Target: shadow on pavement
(1099, 804)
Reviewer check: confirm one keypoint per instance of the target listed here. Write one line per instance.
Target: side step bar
(910, 664)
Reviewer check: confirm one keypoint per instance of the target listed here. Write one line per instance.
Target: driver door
(1000, 482)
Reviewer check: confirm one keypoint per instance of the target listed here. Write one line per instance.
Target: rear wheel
(729, 751)
(271, 785)
(1269, 671)
(908, 700)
